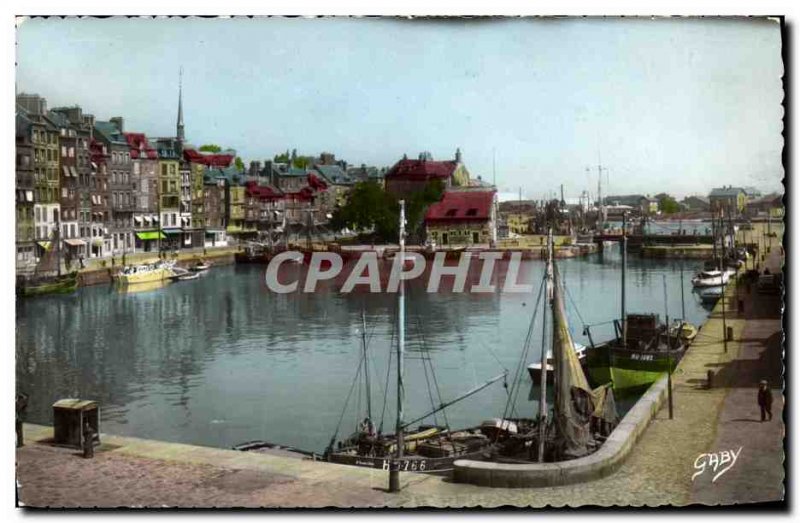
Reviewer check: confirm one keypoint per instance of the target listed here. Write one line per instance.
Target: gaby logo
(718, 461)
(367, 272)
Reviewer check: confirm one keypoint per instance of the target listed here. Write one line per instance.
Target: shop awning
(97, 242)
(137, 219)
(150, 235)
(66, 170)
(172, 231)
(73, 171)
(75, 243)
(44, 245)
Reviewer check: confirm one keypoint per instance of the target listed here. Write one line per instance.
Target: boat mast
(669, 346)
(394, 471)
(624, 267)
(366, 365)
(543, 380)
(58, 245)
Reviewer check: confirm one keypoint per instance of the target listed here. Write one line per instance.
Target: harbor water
(221, 360)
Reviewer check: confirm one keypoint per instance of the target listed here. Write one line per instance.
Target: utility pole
(722, 277)
(394, 469)
(624, 267)
(669, 347)
(543, 373)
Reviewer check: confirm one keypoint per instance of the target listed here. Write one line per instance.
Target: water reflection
(221, 360)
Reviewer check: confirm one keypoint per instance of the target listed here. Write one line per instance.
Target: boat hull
(64, 285)
(630, 371)
(160, 274)
(412, 463)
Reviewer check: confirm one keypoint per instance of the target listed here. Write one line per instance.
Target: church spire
(180, 135)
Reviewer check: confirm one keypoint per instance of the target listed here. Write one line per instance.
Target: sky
(677, 105)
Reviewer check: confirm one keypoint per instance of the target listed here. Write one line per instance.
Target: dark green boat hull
(64, 285)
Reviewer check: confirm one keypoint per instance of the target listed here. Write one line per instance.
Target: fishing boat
(535, 369)
(641, 351)
(146, 273)
(635, 360)
(64, 284)
(47, 277)
(424, 448)
(582, 417)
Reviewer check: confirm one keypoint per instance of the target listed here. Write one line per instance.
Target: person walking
(765, 401)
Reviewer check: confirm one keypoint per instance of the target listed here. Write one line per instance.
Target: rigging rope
(433, 374)
(388, 371)
(569, 296)
(523, 357)
(346, 402)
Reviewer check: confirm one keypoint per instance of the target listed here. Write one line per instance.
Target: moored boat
(634, 362)
(428, 448)
(49, 285)
(535, 369)
(151, 272)
(711, 278)
(200, 266)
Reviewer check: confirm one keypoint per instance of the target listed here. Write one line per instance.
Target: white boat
(712, 278)
(535, 369)
(180, 274)
(146, 273)
(201, 266)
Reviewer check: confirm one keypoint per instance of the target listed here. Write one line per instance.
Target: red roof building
(409, 176)
(208, 159)
(140, 147)
(462, 217)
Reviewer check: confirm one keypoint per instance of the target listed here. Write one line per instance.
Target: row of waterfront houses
(100, 190)
(94, 189)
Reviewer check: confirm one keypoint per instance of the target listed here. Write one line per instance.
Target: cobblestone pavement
(133, 472)
(758, 473)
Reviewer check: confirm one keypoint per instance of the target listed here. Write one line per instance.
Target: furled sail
(576, 404)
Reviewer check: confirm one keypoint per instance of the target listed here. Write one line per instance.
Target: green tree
(417, 205)
(668, 205)
(210, 148)
(301, 162)
(368, 207)
(239, 163)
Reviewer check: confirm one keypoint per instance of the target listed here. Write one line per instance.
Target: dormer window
(451, 213)
(472, 212)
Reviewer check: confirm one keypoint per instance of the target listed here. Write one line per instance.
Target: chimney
(119, 122)
(33, 103)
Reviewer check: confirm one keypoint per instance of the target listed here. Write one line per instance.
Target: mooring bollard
(729, 334)
(709, 379)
